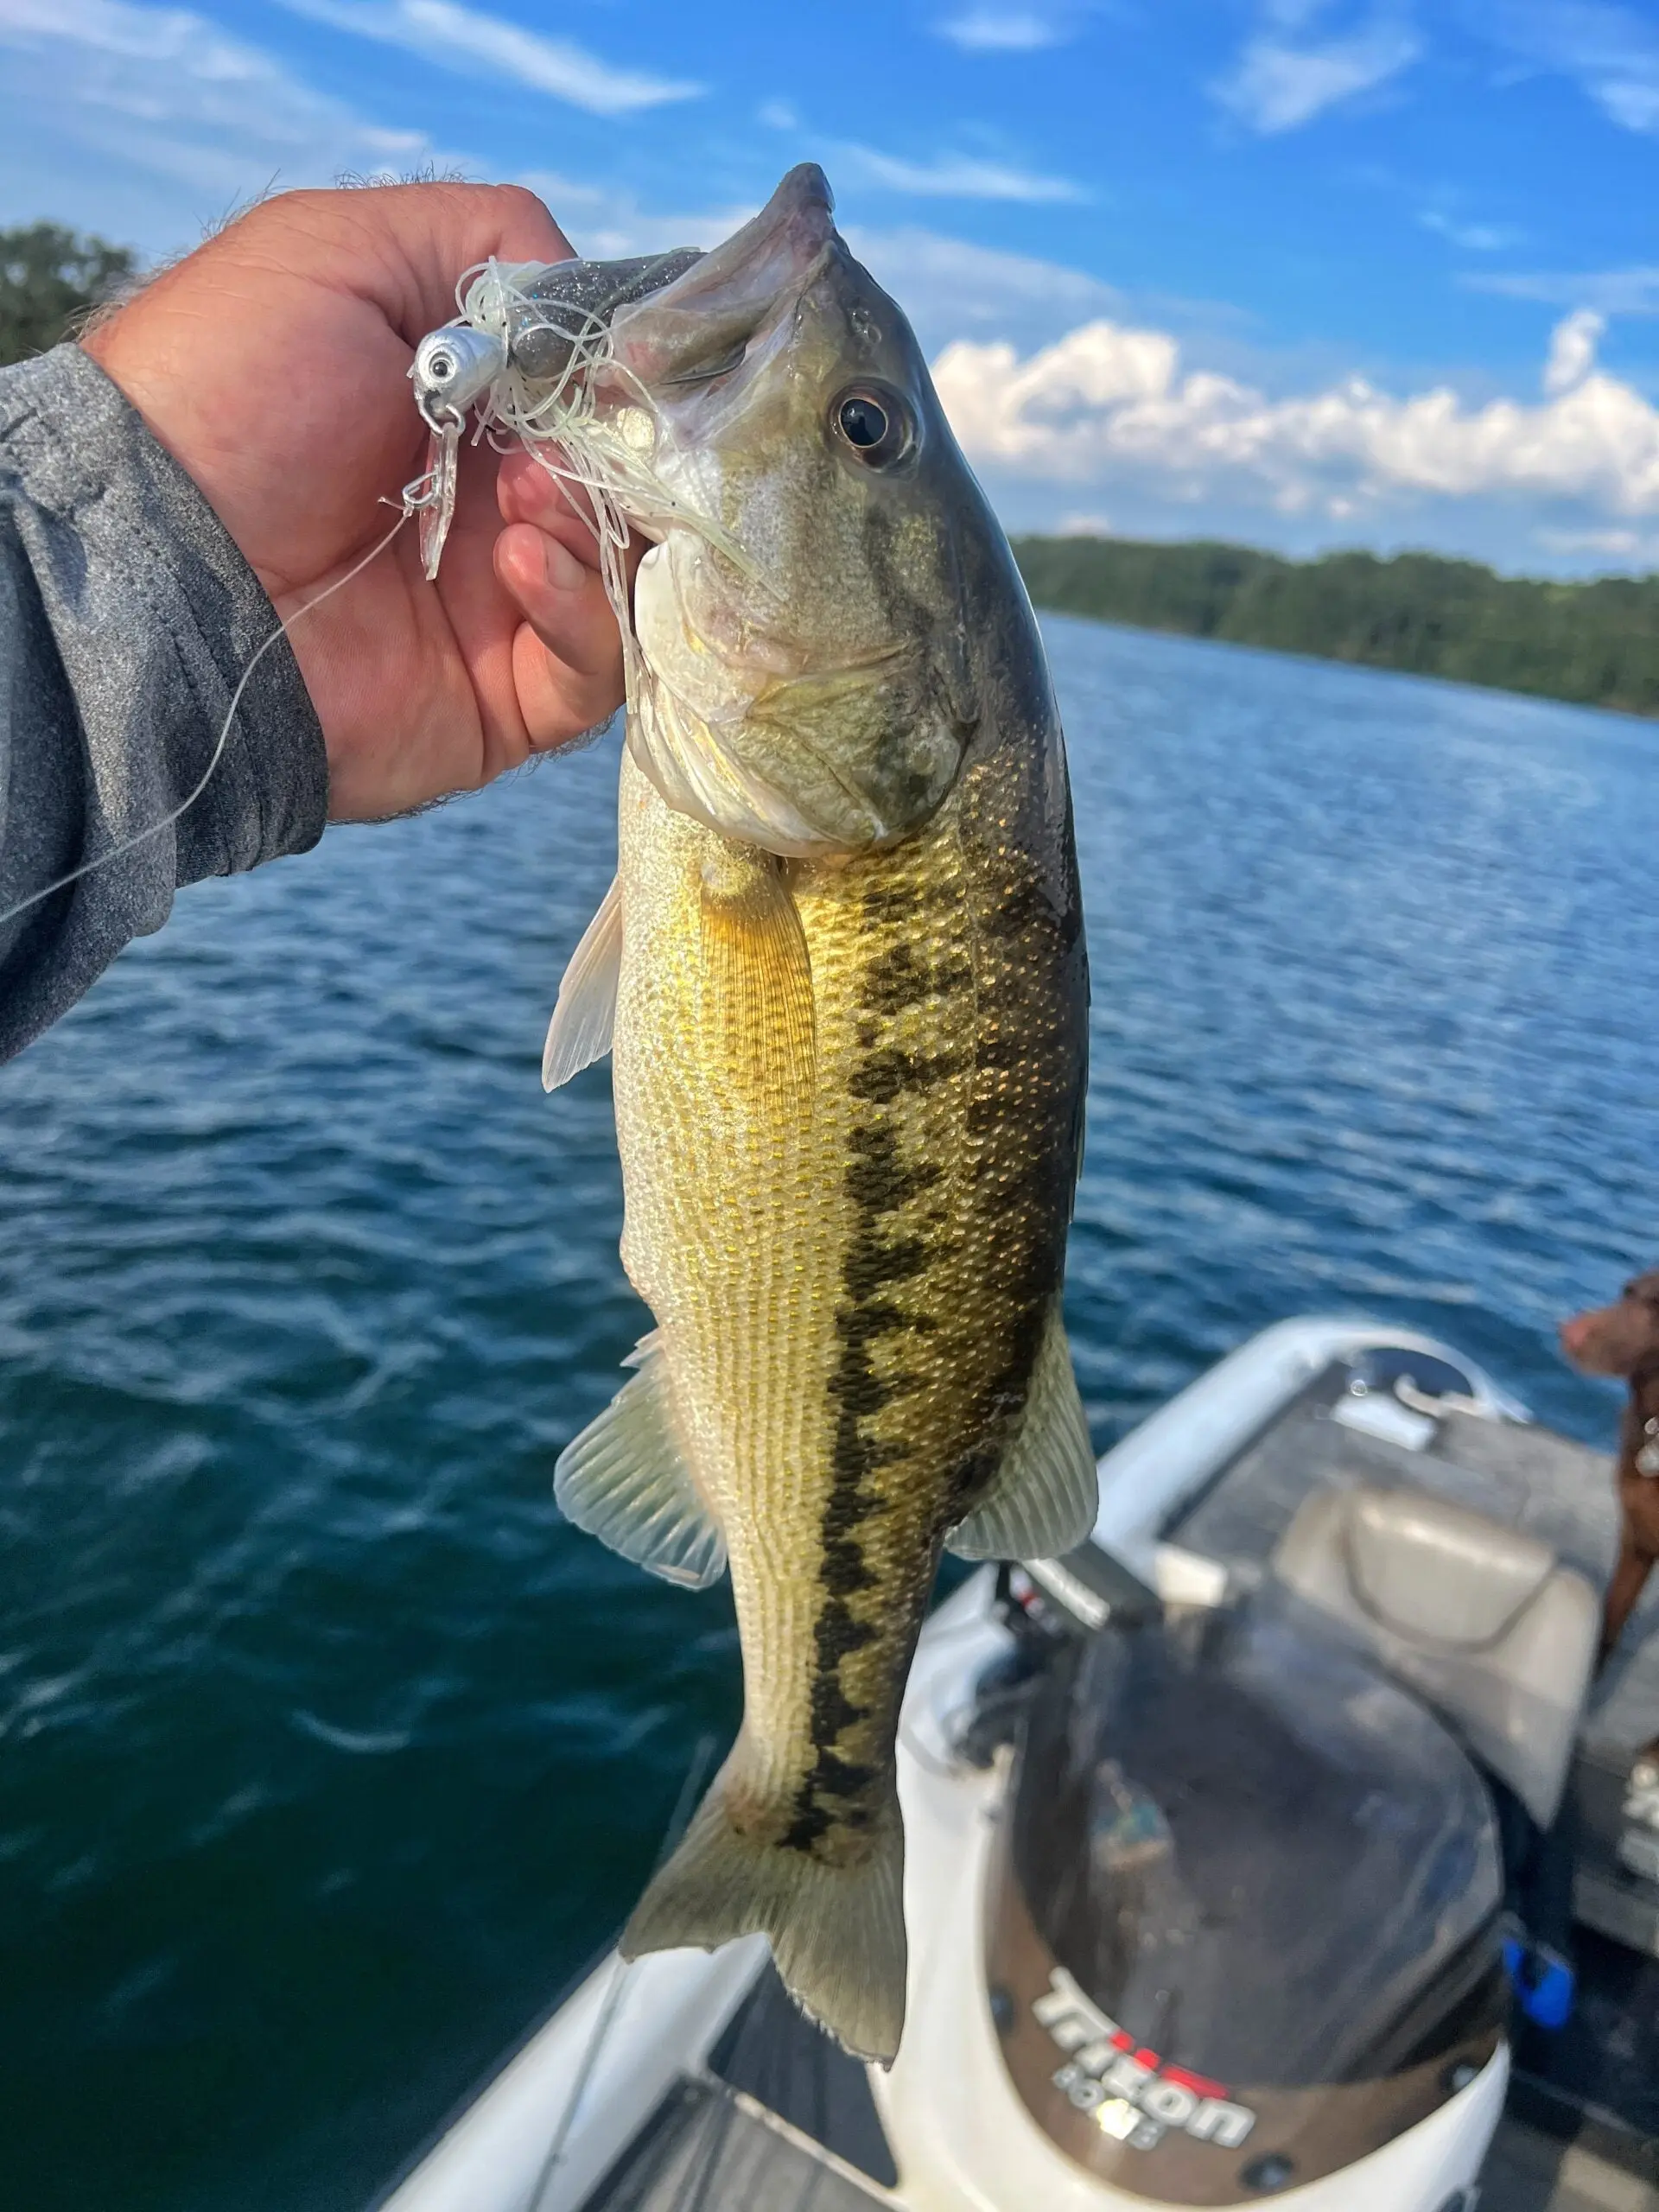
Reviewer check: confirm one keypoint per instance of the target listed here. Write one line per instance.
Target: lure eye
(875, 423)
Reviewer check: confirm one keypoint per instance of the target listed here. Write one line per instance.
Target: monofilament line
(679, 1819)
(411, 503)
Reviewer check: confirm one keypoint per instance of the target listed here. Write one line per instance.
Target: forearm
(127, 616)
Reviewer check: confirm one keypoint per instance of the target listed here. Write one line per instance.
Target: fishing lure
(529, 355)
(525, 351)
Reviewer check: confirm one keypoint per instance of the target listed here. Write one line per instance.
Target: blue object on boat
(1545, 1983)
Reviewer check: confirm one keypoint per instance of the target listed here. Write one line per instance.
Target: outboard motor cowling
(1244, 1925)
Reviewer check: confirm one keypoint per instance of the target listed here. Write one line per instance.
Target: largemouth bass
(841, 974)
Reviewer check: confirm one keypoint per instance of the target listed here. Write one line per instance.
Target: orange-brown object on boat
(1623, 1341)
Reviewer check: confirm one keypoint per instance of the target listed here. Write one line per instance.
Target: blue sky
(1304, 272)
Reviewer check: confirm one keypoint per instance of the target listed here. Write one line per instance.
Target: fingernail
(560, 570)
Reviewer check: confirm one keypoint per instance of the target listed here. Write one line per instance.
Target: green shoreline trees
(1596, 644)
(49, 278)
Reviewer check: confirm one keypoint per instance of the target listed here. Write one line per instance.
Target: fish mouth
(734, 284)
(697, 326)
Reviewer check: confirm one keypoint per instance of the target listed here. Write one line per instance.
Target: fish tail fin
(837, 1932)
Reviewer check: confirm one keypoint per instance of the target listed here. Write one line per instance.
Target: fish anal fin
(1044, 1498)
(836, 1928)
(625, 1480)
(580, 1032)
(757, 972)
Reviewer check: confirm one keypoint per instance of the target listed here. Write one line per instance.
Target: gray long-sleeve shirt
(127, 616)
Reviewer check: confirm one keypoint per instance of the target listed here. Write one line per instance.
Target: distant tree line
(50, 279)
(1596, 643)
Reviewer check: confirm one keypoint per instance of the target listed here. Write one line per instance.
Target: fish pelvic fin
(1044, 1498)
(625, 1479)
(836, 1929)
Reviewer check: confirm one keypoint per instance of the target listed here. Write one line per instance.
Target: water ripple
(331, 1751)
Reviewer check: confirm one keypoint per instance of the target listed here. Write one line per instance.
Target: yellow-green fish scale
(851, 1239)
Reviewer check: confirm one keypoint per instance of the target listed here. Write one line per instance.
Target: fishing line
(679, 1819)
(415, 496)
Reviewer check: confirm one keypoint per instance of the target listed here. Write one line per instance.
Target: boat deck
(708, 2149)
(1529, 2171)
(780, 2120)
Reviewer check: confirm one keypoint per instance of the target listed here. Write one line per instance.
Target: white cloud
(1108, 405)
(467, 40)
(987, 29)
(1610, 53)
(158, 118)
(777, 114)
(1288, 74)
(1573, 351)
(958, 176)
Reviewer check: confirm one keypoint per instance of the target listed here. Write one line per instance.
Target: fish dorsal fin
(580, 1032)
(624, 1479)
(1045, 1494)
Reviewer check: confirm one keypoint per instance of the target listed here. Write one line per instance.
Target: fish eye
(875, 423)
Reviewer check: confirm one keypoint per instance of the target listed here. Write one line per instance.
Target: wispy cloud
(958, 176)
(1618, 544)
(1293, 68)
(989, 29)
(1469, 237)
(1612, 53)
(109, 88)
(949, 289)
(604, 221)
(1573, 345)
(475, 44)
(1605, 291)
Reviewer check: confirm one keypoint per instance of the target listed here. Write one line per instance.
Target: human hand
(272, 363)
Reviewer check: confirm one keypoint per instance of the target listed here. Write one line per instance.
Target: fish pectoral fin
(836, 1928)
(757, 971)
(580, 1032)
(1044, 1497)
(625, 1480)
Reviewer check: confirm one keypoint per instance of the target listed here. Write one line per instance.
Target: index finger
(406, 246)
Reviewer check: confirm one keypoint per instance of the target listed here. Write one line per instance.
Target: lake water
(329, 1752)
